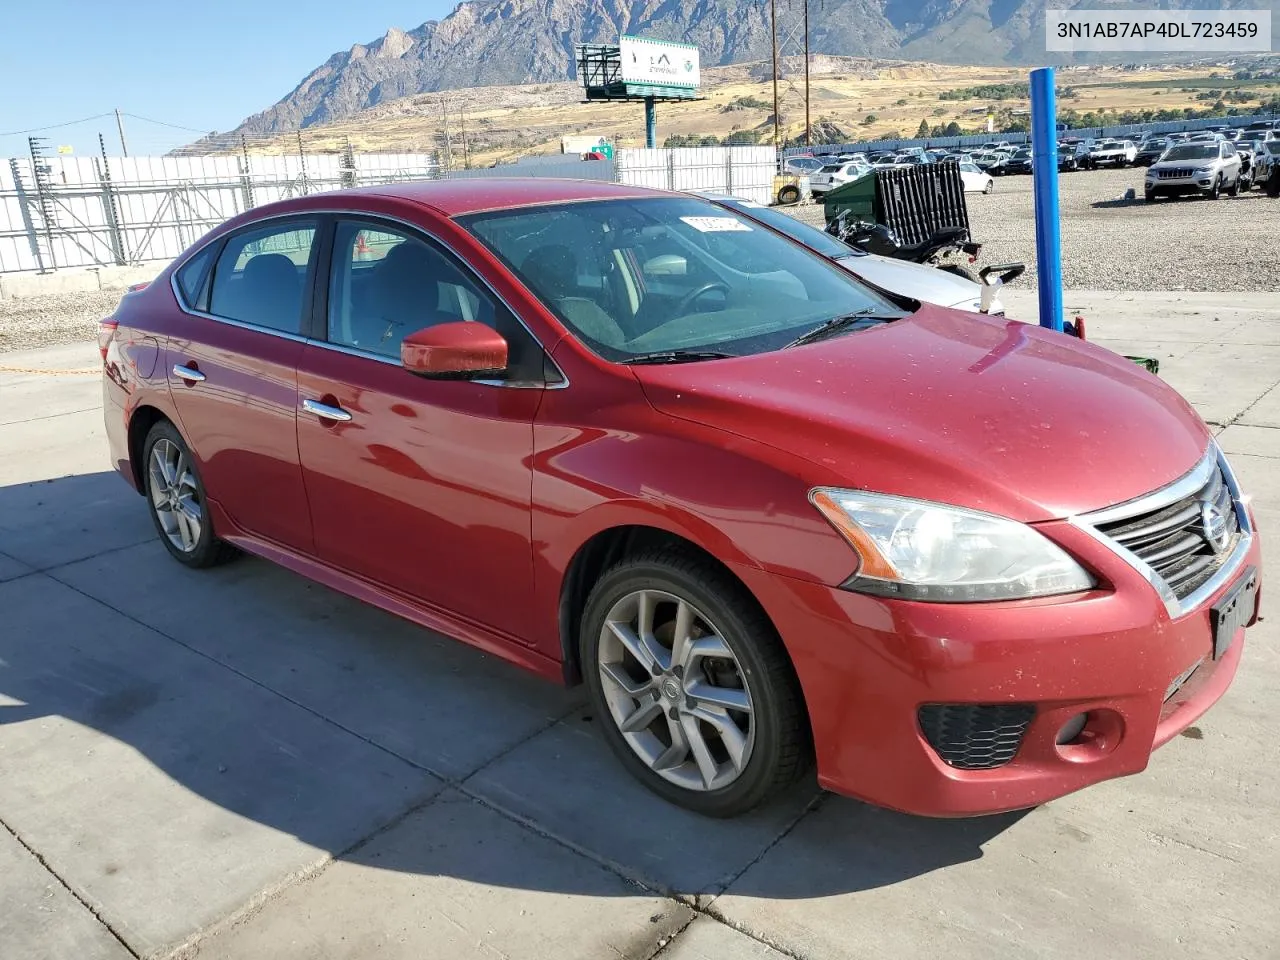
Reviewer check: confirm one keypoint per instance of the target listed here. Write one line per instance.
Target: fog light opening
(1070, 731)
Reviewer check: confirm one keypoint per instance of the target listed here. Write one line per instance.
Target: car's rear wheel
(789, 194)
(1234, 189)
(694, 691)
(175, 495)
(991, 185)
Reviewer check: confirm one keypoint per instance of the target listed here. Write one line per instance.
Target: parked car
(1067, 159)
(762, 511)
(900, 277)
(801, 166)
(1020, 162)
(1149, 151)
(836, 175)
(1101, 153)
(975, 179)
(992, 163)
(1201, 168)
(1266, 169)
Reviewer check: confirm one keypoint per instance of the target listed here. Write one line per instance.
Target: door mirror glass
(462, 350)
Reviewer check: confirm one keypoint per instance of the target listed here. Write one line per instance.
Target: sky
(202, 66)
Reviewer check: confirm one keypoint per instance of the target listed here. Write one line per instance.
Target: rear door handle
(325, 412)
(190, 374)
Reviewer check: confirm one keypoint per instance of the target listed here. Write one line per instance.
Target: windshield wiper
(836, 324)
(676, 356)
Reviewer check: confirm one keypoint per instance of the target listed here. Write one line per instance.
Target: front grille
(1176, 173)
(975, 736)
(1175, 539)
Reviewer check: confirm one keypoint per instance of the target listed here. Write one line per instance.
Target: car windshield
(797, 230)
(1192, 151)
(637, 277)
(1154, 144)
(1272, 147)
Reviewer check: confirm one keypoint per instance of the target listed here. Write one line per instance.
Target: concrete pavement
(238, 763)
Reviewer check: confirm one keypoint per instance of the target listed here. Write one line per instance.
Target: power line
(175, 126)
(53, 126)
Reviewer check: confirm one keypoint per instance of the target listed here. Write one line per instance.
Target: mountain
(490, 42)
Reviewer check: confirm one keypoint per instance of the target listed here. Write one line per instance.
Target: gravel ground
(1111, 244)
(1107, 244)
(59, 318)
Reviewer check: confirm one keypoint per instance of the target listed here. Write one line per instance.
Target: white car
(836, 175)
(974, 180)
(1097, 153)
(914, 280)
(801, 166)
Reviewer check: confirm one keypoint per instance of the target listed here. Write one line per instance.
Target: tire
(176, 500)
(789, 194)
(990, 187)
(772, 738)
(959, 270)
(1149, 196)
(1216, 192)
(1234, 189)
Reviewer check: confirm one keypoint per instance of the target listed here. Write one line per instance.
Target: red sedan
(630, 438)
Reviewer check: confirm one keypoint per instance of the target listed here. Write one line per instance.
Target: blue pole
(650, 123)
(1044, 158)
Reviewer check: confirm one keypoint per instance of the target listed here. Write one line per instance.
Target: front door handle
(325, 412)
(189, 374)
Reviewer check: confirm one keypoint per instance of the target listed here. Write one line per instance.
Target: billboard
(659, 63)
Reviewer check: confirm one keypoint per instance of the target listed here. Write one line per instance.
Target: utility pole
(120, 127)
(448, 143)
(773, 29)
(808, 128)
(466, 152)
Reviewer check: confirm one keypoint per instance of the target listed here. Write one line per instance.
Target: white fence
(94, 211)
(745, 172)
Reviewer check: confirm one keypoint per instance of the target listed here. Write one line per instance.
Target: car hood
(917, 281)
(947, 406)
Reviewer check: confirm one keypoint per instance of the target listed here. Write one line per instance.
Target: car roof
(456, 197)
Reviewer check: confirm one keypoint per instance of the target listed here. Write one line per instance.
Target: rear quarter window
(191, 277)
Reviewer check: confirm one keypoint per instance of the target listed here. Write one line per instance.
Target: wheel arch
(141, 421)
(596, 555)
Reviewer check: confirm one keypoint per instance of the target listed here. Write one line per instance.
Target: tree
(952, 129)
(869, 119)
(922, 131)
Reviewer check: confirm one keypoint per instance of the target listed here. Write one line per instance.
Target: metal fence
(60, 212)
(1120, 131)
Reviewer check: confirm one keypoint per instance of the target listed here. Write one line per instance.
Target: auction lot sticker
(1167, 31)
(717, 224)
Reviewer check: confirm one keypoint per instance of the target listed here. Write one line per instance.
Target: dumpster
(914, 202)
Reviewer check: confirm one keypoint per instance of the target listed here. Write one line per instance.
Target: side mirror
(463, 350)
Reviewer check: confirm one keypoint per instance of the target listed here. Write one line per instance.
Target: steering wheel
(689, 298)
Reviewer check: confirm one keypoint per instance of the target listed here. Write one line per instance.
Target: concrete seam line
(663, 945)
(93, 911)
(51, 416)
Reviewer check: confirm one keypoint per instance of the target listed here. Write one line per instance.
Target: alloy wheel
(676, 691)
(175, 495)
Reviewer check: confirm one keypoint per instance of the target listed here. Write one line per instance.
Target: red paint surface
(461, 505)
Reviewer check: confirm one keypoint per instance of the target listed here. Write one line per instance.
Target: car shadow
(206, 673)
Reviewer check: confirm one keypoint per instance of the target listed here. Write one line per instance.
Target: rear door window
(261, 276)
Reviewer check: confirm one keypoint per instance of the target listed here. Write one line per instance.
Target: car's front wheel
(176, 497)
(694, 691)
(990, 186)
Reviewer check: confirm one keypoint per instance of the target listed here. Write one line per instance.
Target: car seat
(552, 271)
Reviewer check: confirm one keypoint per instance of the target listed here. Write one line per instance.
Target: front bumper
(867, 665)
(1182, 186)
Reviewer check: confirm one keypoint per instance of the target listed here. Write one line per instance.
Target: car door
(1230, 161)
(232, 366)
(420, 485)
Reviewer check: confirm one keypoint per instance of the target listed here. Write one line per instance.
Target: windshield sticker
(716, 224)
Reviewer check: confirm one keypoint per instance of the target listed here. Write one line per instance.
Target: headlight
(919, 550)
